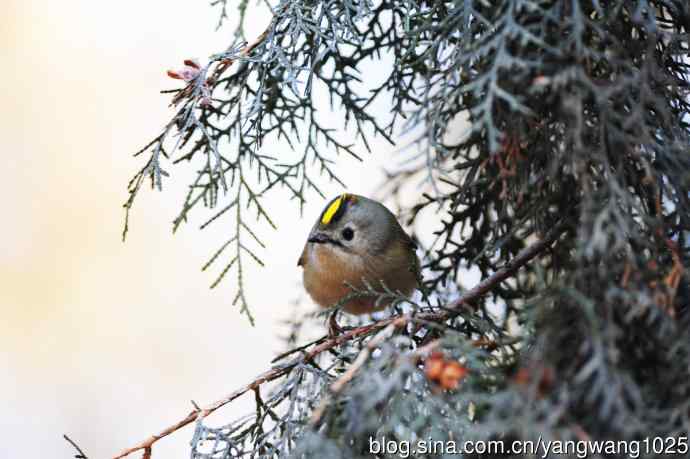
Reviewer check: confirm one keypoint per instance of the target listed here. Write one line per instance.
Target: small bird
(357, 239)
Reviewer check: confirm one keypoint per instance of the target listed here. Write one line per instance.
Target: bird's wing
(413, 246)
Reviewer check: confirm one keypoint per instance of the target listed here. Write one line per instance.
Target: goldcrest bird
(357, 239)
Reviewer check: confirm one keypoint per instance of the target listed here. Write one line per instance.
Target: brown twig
(448, 312)
(265, 377)
(222, 66)
(227, 63)
(361, 359)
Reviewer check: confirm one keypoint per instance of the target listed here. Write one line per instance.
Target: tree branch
(448, 312)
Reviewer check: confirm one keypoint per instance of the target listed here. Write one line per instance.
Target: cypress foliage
(577, 135)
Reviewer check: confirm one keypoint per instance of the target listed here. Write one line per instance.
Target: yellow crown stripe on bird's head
(335, 208)
(331, 210)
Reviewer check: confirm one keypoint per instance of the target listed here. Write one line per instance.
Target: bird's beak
(319, 238)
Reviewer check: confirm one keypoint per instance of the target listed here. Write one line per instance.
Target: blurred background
(103, 340)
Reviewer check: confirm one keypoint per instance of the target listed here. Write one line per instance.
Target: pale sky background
(105, 341)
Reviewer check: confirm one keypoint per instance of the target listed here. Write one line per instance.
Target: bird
(357, 241)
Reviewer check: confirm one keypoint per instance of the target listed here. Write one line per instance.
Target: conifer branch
(388, 324)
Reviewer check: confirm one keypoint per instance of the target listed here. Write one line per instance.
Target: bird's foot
(333, 328)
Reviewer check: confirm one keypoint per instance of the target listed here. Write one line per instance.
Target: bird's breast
(328, 271)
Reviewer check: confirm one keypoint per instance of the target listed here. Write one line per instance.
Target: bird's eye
(348, 234)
